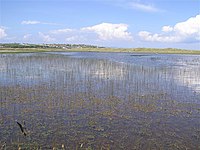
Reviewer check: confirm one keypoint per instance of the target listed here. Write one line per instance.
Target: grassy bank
(132, 50)
(27, 50)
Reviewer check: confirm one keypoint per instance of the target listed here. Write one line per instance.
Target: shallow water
(100, 100)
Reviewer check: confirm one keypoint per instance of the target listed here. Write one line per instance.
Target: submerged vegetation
(83, 103)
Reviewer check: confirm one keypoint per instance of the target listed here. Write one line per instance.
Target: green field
(132, 50)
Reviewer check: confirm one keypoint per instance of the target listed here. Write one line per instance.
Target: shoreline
(119, 50)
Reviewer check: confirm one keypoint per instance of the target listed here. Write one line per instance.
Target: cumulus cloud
(46, 38)
(189, 27)
(167, 29)
(108, 31)
(187, 31)
(147, 36)
(2, 32)
(104, 34)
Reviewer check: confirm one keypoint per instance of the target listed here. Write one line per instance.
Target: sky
(110, 23)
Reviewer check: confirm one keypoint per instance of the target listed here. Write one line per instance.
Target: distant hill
(63, 46)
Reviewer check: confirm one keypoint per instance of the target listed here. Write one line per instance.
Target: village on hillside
(62, 46)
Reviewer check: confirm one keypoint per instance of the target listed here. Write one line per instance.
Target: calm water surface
(100, 101)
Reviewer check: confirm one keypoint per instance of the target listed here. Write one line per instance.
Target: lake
(88, 100)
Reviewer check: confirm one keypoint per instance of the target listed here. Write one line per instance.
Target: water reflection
(188, 76)
(100, 100)
(176, 64)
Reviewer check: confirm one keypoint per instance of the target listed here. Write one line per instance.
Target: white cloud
(147, 36)
(61, 31)
(144, 7)
(2, 32)
(108, 31)
(101, 34)
(34, 22)
(46, 38)
(189, 27)
(30, 22)
(187, 31)
(167, 29)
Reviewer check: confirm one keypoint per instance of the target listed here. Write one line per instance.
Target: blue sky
(113, 23)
